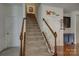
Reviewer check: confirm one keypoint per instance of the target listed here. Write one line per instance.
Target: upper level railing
(55, 36)
(23, 37)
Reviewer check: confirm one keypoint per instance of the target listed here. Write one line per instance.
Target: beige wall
(31, 5)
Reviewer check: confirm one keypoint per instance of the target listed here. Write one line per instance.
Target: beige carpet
(35, 44)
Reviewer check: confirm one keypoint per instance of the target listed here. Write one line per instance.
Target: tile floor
(14, 51)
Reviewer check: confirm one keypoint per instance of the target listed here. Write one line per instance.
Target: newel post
(55, 47)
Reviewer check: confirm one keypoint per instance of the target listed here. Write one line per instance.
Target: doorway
(68, 36)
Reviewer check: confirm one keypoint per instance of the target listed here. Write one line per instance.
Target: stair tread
(35, 44)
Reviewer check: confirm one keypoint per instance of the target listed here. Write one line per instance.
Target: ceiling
(68, 7)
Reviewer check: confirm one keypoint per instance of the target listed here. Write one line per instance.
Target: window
(67, 22)
(69, 38)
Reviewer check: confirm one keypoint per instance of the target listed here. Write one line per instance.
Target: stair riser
(35, 44)
(32, 33)
(30, 39)
(31, 28)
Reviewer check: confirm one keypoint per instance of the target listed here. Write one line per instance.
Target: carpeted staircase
(35, 43)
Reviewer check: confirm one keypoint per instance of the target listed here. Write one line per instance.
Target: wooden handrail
(46, 40)
(55, 36)
(23, 37)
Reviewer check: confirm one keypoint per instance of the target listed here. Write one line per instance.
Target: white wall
(24, 10)
(53, 21)
(76, 17)
(2, 39)
(72, 28)
(77, 29)
(73, 17)
(13, 21)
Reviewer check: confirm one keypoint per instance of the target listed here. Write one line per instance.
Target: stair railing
(55, 36)
(23, 38)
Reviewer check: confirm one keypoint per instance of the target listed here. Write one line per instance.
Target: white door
(12, 31)
(13, 23)
(8, 31)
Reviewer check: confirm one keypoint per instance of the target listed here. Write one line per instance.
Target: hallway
(35, 44)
